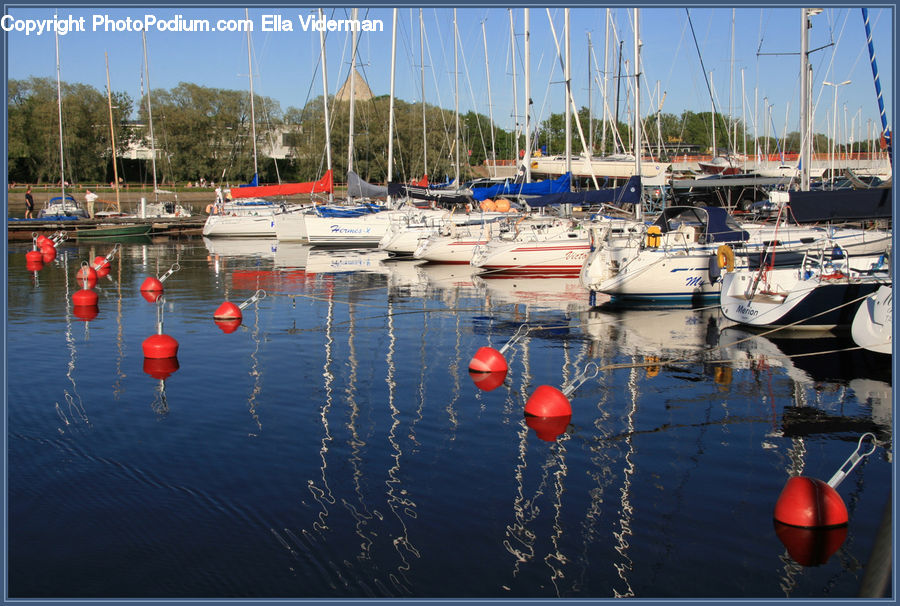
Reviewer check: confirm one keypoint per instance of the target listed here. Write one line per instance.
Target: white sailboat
(873, 324)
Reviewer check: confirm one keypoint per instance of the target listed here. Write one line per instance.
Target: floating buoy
(810, 546)
(229, 326)
(548, 401)
(488, 359)
(84, 297)
(86, 272)
(85, 312)
(811, 503)
(160, 368)
(48, 253)
(230, 311)
(43, 240)
(34, 265)
(151, 295)
(160, 346)
(548, 428)
(101, 265)
(488, 381)
(34, 256)
(154, 284)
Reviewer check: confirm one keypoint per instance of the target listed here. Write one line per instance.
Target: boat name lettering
(746, 311)
(337, 229)
(694, 281)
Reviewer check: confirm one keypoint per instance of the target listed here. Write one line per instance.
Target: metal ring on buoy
(725, 256)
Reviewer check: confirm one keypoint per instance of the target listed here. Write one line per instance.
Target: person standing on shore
(29, 204)
(90, 197)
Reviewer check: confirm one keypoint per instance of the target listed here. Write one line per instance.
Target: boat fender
(725, 257)
(715, 271)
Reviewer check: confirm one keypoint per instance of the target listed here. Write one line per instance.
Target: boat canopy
(358, 188)
(511, 188)
(323, 185)
(715, 223)
(841, 205)
(630, 193)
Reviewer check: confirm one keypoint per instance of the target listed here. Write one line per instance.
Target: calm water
(335, 445)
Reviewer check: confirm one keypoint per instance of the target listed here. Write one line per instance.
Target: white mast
(637, 106)
(512, 42)
(325, 102)
(150, 116)
(112, 135)
(352, 91)
(62, 172)
(390, 171)
(487, 70)
(424, 122)
(804, 101)
(527, 96)
(568, 77)
(252, 111)
(456, 80)
(605, 80)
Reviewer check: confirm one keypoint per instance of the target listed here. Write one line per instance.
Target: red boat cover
(325, 184)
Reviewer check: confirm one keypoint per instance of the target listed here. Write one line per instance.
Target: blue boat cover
(841, 205)
(628, 193)
(715, 222)
(511, 188)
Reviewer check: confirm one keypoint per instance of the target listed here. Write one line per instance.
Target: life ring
(210, 208)
(725, 256)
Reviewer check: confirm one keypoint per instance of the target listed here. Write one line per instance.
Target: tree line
(205, 133)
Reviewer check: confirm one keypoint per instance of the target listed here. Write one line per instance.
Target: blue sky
(763, 68)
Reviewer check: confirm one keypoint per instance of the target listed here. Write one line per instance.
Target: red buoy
(228, 311)
(85, 312)
(160, 368)
(101, 264)
(160, 346)
(48, 253)
(34, 265)
(33, 256)
(43, 240)
(152, 284)
(230, 325)
(151, 295)
(810, 503)
(548, 401)
(548, 428)
(86, 275)
(487, 381)
(83, 297)
(810, 546)
(488, 359)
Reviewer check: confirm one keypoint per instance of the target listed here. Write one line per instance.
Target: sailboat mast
(390, 170)
(487, 70)
(590, 101)
(568, 78)
(352, 91)
(637, 106)
(62, 172)
(112, 135)
(604, 93)
(512, 44)
(804, 101)
(456, 85)
(424, 122)
(325, 103)
(252, 110)
(527, 95)
(150, 117)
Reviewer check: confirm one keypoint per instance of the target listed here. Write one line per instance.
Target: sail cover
(841, 205)
(323, 185)
(357, 188)
(536, 188)
(628, 193)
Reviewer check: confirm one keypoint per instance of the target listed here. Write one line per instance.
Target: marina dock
(178, 227)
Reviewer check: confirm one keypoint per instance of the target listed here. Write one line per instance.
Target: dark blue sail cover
(841, 205)
(511, 188)
(630, 193)
(715, 223)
